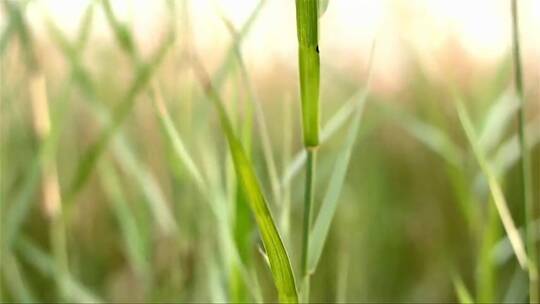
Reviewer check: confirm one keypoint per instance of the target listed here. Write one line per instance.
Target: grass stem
(308, 219)
(525, 161)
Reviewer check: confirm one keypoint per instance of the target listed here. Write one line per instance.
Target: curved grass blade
(494, 186)
(509, 153)
(434, 138)
(497, 119)
(94, 152)
(279, 260)
(261, 121)
(322, 224)
(215, 200)
(323, 6)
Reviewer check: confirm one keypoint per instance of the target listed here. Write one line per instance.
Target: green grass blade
(130, 229)
(15, 281)
(307, 24)
(176, 140)
(322, 224)
(323, 6)
(126, 158)
(221, 74)
(517, 288)
(497, 119)
(509, 152)
(431, 136)
(494, 186)
(93, 153)
(122, 34)
(148, 184)
(463, 294)
(45, 265)
(330, 128)
(215, 201)
(525, 163)
(279, 260)
(502, 251)
(260, 119)
(85, 26)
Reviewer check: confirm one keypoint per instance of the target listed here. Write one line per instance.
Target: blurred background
(100, 109)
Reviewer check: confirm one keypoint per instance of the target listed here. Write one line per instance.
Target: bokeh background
(96, 205)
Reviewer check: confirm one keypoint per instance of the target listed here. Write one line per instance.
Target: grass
(307, 24)
(525, 164)
(129, 174)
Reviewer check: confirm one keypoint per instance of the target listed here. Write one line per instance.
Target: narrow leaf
(321, 227)
(494, 186)
(463, 294)
(279, 260)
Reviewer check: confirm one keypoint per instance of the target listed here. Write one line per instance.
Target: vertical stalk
(525, 162)
(307, 25)
(308, 218)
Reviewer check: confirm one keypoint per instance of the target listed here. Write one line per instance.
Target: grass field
(151, 169)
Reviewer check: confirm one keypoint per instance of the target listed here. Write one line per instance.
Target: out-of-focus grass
(156, 213)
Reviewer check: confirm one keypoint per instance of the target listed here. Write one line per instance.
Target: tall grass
(525, 164)
(307, 24)
(177, 210)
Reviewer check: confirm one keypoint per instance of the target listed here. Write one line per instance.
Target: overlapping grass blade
(221, 74)
(502, 251)
(328, 208)
(525, 164)
(509, 152)
(497, 119)
(15, 281)
(214, 198)
(45, 265)
(123, 36)
(279, 260)
(259, 114)
(330, 128)
(431, 136)
(494, 186)
(322, 224)
(176, 141)
(124, 155)
(83, 33)
(131, 231)
(143, 75)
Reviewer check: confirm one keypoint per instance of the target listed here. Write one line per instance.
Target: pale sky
(348, 28)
